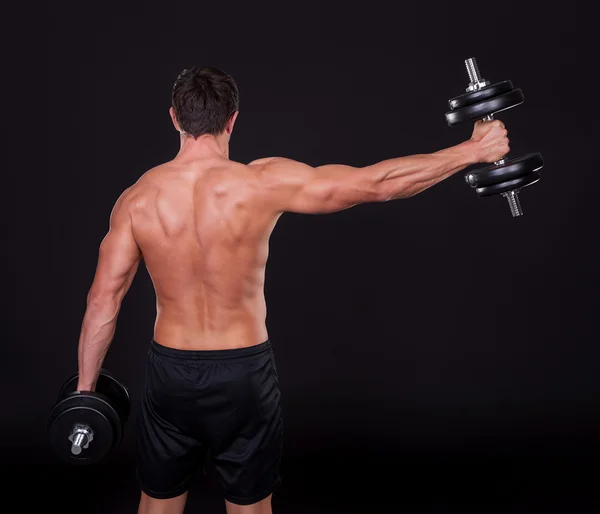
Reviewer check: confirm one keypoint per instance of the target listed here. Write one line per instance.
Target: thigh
(262, 507)
(168, 452)
(249, 468)
(149, 505)
(246, 453)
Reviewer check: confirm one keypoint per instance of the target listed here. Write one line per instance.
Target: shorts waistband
(230, 353)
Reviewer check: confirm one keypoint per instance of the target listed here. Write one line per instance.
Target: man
(202, 224)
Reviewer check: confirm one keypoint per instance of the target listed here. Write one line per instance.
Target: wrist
(83, 386)
(470, 152)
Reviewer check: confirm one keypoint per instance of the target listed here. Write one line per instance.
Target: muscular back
(202, 226)
(203, 232)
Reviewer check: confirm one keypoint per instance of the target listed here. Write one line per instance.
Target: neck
(205, 146)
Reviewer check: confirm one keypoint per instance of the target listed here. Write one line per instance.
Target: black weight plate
(481, 94)
(511, 169)
(68, 387)
(518, 183)
(484, 108)
(89, 409)
(118, 394)
(107, 385)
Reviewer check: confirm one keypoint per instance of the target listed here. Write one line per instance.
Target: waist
(196, 335)
(212, 354)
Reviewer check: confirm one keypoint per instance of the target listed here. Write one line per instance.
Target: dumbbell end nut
(79, 441)
(80, 438)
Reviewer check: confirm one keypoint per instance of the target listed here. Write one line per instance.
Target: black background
(435, 354)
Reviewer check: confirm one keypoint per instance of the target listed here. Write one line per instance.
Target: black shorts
(218, 407)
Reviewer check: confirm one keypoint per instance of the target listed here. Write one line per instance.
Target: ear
(174, 119)
(231, 123)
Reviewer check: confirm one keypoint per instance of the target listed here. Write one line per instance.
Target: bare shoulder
(125, 201)
(278, 169)
(267, 161)
(271, 172)
(135, 195)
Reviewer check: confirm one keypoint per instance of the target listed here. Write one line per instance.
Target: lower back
(244, 329)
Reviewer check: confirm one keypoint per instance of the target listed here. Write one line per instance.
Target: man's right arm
(290, 186)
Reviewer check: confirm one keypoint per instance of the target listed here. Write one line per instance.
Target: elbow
(387, 190)
(369, 189)
(99, 301)
(101, 311)
(95, 296)
(383, 194)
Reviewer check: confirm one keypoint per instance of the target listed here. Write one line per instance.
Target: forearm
(97, 332)
(407, 176)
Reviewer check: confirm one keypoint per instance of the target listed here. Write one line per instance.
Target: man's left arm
(118, 260)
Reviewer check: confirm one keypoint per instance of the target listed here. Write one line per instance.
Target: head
(205, 101)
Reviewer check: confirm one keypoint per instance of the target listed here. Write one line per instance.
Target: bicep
(296, 187)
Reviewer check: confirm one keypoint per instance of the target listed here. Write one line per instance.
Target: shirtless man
(202, 223)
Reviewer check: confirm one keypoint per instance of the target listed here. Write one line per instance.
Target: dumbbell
(481, 101)
(83, 427)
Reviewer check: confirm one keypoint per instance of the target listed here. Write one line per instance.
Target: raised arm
(295, 187)
(118, 260)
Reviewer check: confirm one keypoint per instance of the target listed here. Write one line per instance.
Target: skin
(202, 224)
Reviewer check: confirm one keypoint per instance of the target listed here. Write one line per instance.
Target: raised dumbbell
(83, 426)
(481, 101)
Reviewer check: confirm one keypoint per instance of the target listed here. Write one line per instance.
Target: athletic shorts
(210, 407)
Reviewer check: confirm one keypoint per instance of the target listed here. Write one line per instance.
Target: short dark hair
(204, 99)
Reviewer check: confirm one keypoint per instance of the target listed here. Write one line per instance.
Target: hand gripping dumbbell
(83, 426)
(481, 101)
